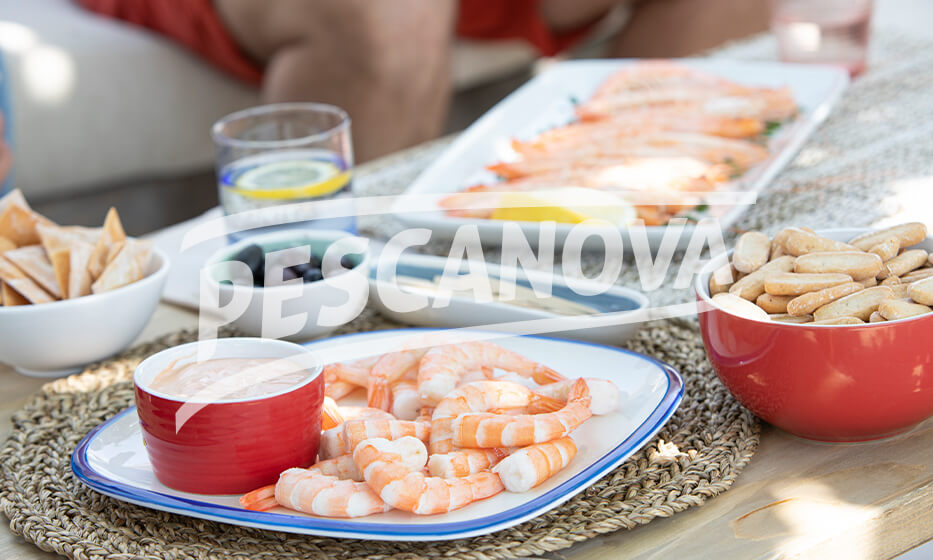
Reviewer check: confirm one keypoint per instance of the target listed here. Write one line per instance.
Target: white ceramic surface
(319, 300)
(547, 101)
(112, 460)
(620, 311)
(59, 338)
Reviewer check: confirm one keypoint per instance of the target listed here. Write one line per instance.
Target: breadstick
(753, 285)
(894, 309)
(793, 284)
(721, 279)
(808, 303)
(785, 318)
(869, 282)
(903, 263)
(800, 242)
(752, 250)
(908, 234)
(773, 304)
(919, 274)
(860, 304)
(839, 321)
(741, 307)
(887, 249)
(876, 317)
(891, 281)
(856, 264)
(921, 291)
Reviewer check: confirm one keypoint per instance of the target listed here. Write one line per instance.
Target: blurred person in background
(387, 62)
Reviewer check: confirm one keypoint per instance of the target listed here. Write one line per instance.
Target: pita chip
(128, 266)
(16, 279)
(33, 261)
(14, 197)
(111, 233)
(6, 245)
(57, 242)
(79, 280)
(11, 297)
(18, 221)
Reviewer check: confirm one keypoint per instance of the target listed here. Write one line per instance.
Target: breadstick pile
(803, 278)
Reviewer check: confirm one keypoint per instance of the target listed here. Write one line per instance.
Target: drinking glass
(823, 31)
(284, 161)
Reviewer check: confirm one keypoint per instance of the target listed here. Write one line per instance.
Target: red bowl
(823, 382)
(230, 446)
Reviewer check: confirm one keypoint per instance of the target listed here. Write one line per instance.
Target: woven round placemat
(697, 455)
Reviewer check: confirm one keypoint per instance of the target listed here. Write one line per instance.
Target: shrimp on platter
(604, 394)
(529, 466)
(503, 430)
(387, 467)
(464, 462)
(442, 367)
(331, 488)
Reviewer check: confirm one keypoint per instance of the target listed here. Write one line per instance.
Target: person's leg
(385, 62)
(672, 28)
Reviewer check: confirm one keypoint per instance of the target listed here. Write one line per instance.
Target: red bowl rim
(702, 286)
(304, 354)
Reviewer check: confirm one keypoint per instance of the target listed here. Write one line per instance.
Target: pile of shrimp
(654, 131)
(445, 426)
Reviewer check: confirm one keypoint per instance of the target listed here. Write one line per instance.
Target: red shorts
(196, 25)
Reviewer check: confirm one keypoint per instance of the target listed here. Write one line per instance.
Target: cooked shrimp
(332, 442)
(654, 74)
(499, 430)
(530, 466)
(441, 368)
(356, 431)
(387, 468)
(330, 414)
(464, 462)
(406, 403)
(390, 368)
(604, 393)
(478, 396)
(314, 491)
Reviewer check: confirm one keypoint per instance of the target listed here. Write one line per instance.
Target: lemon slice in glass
(291, 179)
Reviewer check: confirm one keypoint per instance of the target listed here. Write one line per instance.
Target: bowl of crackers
(825, 334)
(71, 295)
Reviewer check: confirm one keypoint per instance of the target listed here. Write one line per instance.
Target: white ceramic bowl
(59, 338)
(326, 304)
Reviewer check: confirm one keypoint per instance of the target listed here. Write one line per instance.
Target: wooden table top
(795, 499)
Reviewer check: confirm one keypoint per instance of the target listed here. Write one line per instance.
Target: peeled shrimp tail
(330, 414)
(260, 499)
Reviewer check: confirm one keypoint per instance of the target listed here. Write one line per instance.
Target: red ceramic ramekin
(823, 382)
(229, 446)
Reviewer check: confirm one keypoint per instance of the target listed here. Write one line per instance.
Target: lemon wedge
(291, 179)
(569, 205)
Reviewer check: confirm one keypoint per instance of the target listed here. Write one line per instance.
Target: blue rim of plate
(392, 531)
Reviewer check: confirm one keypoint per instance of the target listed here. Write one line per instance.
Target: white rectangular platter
(548, 101)
(112, 460)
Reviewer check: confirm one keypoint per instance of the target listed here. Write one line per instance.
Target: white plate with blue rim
(111, 459)
(538, 304)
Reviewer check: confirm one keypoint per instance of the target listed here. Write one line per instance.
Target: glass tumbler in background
(278, 158)
(823, 31)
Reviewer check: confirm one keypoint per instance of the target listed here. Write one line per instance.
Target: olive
(315, 261)
(346, 262)
(313, 275)
(301, 268)
(253, 257)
